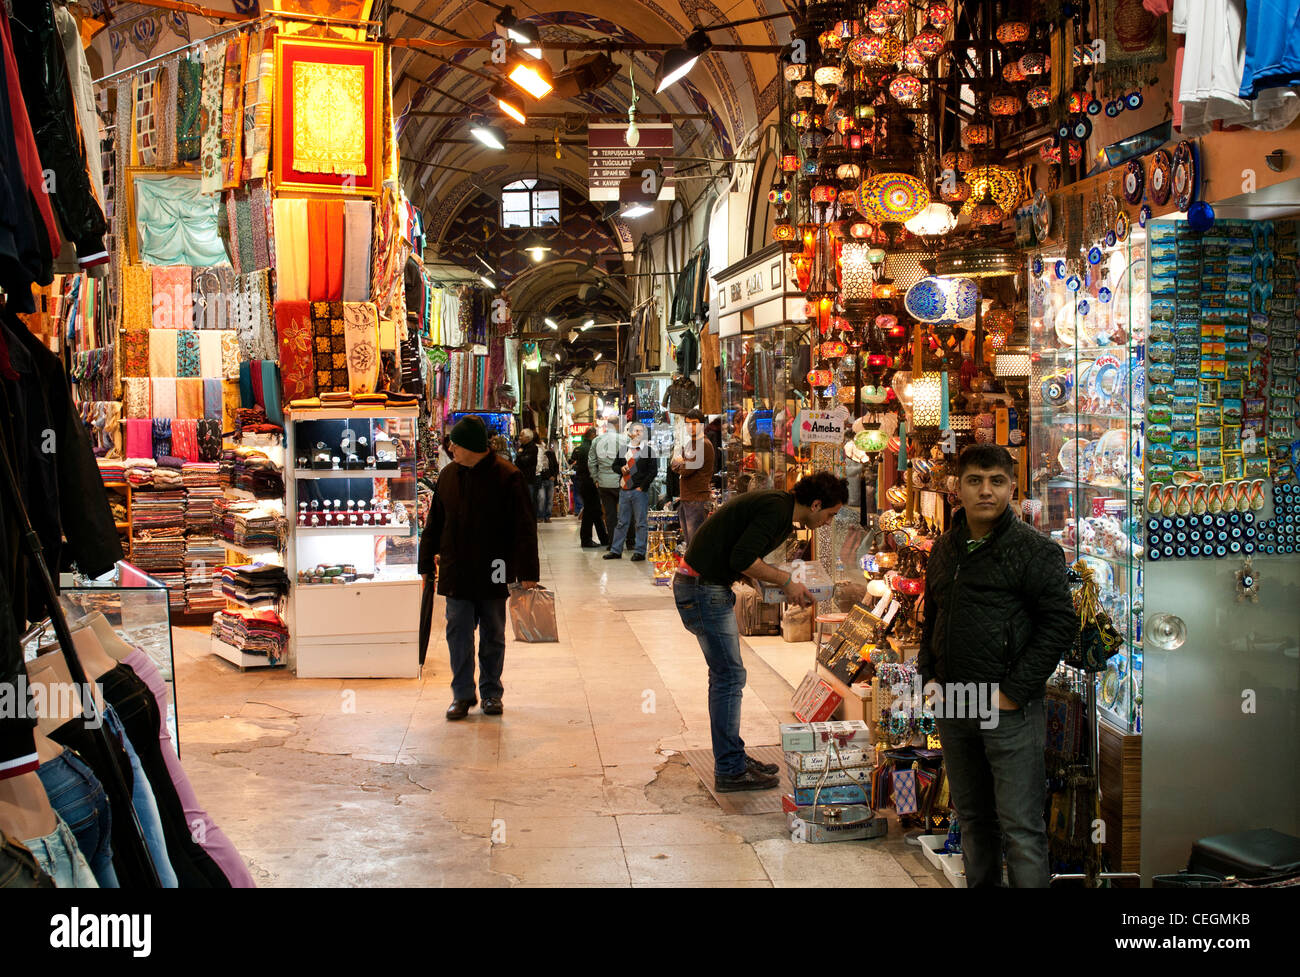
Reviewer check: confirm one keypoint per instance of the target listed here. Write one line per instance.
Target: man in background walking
(480, 536)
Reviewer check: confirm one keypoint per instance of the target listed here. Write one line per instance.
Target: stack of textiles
(253, 633)
(166, 477)
(252, 470)
(252, 420)
(112, 471)
(248, 525)
(199, 504)
(255, 584)
(203, 555)
(158, 538)
(139, 472)
(201, 475)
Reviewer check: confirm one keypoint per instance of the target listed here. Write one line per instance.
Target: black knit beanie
(471, 434)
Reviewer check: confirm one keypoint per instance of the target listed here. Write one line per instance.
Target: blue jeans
(543, 489)
(78, 797)
(146, 807)
(60, 858)
(690, 515)
(998, 781)
(633, 505)
(708, 612)
(489, 616)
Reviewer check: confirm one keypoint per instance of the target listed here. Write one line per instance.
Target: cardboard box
(810, 762)
(797, 738)
(814, 700)
(842, 794)
(831, 778)
(812, 833)
(844, 732)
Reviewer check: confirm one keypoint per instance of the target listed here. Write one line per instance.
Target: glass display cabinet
(1088, 319)
(353, 539)
(763, 391)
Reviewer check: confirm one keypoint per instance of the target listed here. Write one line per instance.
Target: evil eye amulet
(1037, 266)
(1113, 109)
(1083, 307)
(1060, 270)
(1111, 239)
(1133, 100)
(1104, 294)
(1144, 215)
(1094, 255)
(1074, 283)
(1094, 107)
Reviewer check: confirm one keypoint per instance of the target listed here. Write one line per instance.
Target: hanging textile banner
(609, 157)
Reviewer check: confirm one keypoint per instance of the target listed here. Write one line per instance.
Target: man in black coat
(998, 619)
(592, 516)
(480, 537)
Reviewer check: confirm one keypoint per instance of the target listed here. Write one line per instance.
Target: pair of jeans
(131, 698)
(633, 507)
(19, 868)
(543, 489)
(690, 515)
(708, 611)
(609, 505)
(998, 781)
(145, 805)
(60, 858)
(592, 516)
(489, 617)
(78, 798)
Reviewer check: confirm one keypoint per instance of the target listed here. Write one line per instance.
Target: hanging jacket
(1000, 614)
(482, 528)
(688, 353)
(43, 74)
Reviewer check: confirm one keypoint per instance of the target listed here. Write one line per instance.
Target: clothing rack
(118, 793)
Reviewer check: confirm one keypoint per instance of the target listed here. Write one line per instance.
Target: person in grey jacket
(606, 452)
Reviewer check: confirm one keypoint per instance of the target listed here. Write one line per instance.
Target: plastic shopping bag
(532, 614)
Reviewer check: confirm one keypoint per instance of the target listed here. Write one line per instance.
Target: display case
(353, 543)
(762, 392)
(137, 607)
(649, 389)
(1088, 319)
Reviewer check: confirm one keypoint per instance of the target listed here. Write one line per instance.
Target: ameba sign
(609, 157)
(821, 425)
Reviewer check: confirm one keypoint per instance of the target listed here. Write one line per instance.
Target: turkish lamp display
(927, 400)
(857, 271)
(1011, 366)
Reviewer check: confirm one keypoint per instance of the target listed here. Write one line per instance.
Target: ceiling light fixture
(633, 136)
(634, 210)
(678, 61)
(599, 355)
(487, 281)
(551, 322)
(532, 76)
(585, 75)
(588, 324)
(490, 136)
(526, 35)
(509, 102)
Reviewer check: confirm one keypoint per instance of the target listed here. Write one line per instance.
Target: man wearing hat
(481, 536)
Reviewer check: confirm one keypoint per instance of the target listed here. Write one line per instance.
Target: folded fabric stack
(256, 584)
(199, 504)
(247, 524)
(253, 420)
(112, 471)
(252, 470)
(165, 477)
(253, 632)
(203, 555)
(158, 539)
(201, 475)
(139, 471)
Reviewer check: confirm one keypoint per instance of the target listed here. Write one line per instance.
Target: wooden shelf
(319, 473)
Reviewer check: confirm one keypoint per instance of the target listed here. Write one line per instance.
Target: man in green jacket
(729, 544)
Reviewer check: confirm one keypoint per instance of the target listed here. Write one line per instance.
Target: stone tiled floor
(364, 783)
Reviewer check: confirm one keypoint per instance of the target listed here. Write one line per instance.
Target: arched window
(530, 203)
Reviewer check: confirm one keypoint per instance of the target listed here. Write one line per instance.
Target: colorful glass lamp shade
(857, 273)
(896, 197)
(1005, 104)
(939, 15)
(1012, 32)
(977, 135)
(907, 89)
(927, 400)
(935, 221)
(936, 299)
(930, 43)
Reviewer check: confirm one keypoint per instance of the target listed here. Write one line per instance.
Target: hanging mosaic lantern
(829, 76)
(1035, 63)
(876, 22)
(986, 213)
(848, 171)
(790, 163)
(866, 49)
(1011, 73)
(891, 50)
(935, 221)
(876, 256)
(780, 194)
(1052, 154)
(856, 273)
(886, 322)
(822, 96)
(1039, 97)
(913, 60)
(1078, 102)
(846, 30)
(1003, 184)
(794, 72)
(930, 43)
(848, 198)
(824, 193)
(939, 15)
(860, 229)
(805, 89)
(936, 299)
(977, 135)
(820, 378)
(893, 10)
(955, 193)
(829, 40)
(853, 140)
(893, 197)
(999, 320)
(1005, 104)
(833, 350)
(802, 271)
(958, 162)
(783, 232)
(1012, 32)
(906, 89)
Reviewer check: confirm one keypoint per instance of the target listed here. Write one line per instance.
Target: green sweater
(744, 530)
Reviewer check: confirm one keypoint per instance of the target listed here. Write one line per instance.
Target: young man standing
(637, 471)
(730, 543)
(694, 465)
(999, 616)
(480, 536)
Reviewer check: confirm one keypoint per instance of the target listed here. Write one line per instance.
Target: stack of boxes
(830, 767)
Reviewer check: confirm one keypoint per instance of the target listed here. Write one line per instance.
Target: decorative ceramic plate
(1042, 215)
(1185, 176)
(1162, 177)
(1135, 181)
(1109, 692)
(1122, 226)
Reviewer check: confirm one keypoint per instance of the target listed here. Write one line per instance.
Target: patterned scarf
(294, 324)
(135, 353)
(190, 92)
(137, 298)
(214, 59)
(142, 101)
(187, 353)
(258, 87)
(330, 347)
(214, 296)
(361, 325)
(232, 115)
